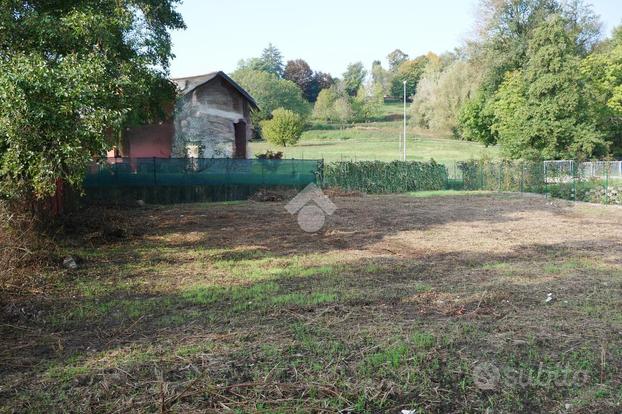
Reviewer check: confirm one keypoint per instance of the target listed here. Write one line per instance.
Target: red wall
(148, 141)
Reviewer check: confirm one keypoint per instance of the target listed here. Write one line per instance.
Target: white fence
(589, 169)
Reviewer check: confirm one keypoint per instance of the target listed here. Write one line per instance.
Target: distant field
(377, 141)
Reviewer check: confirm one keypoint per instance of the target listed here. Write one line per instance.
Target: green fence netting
(184, 180)
(141, 172)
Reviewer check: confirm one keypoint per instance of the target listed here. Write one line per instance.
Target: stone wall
(206, 117)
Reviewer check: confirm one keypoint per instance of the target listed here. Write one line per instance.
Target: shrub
(285, 127)
(270, 155)
(376, 177)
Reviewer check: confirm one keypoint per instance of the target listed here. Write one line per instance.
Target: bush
(376, 177)
(285, 127)
(269, 155)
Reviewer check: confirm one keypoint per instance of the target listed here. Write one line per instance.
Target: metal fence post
(607, 186)
(574, 180)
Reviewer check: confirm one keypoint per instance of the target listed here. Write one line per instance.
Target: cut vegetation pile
(394, 305)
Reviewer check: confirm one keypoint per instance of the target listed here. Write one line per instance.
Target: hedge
(377, 177)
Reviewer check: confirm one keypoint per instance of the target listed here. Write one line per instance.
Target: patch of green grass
(65, 372)
(304, 299)
(446, 193)
(194, 349)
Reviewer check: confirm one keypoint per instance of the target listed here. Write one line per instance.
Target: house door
(240, 140)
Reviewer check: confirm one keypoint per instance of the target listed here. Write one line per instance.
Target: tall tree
(603, 73)
(396, 58)
(299, 72)
(73, 74)
(505, 28)
(381, 78)
(441, 94)
(324, 80)
(324, 105)
(409, 71)
(271, 93)
(354, 77)
(542, 110)
(272, 60)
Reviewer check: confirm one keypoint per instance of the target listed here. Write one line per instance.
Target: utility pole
(404, 120)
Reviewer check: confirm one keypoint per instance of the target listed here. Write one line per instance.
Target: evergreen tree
(541, 111)
(272, 60)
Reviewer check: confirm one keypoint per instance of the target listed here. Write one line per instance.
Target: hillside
(378, 140)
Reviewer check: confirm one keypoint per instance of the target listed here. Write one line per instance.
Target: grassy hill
(378, 140)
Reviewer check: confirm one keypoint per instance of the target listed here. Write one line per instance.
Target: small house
(211, 119)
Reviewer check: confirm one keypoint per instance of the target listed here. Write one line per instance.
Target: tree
(299, 72)
(381, 78)
(324, 105)
(285, 127)
(409, 71)
(395, 59)
(505, 28)
(272, 60)
(542, 110)
(354, 77)
(441, 95)
(251, 64)
(324, 80)
(72, 76)
(343, 110)
(367, 103)
(271, 93)
(475, 120)
(603, 73)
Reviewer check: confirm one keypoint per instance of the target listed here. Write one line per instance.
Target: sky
(328, 34)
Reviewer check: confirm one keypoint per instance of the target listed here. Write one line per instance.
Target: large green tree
(271, 93)
(354, 77)
(409, 71)
(542, 110)
(505, 28)
(73, 74)
(603, 73)
(272, 60)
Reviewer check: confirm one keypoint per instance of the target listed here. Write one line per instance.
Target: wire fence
(596, 182)
(591, 169)
(170, 180)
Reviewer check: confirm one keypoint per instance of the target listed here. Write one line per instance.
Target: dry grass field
(432, 304)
